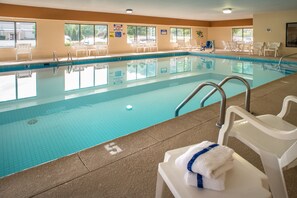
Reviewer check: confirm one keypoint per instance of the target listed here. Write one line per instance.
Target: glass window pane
(173, 34)
(187, 33)
(7, 88)
(101, 33)
(237, 34)
(141, 34)
(87, 34)
(131, 34)
(26, 33)
(7, 37)
(180, 34)
(71, 34)
(248, 35)
(151, 34)
(27, 86)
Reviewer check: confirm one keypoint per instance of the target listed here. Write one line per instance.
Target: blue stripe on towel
(199, 181)
(190, 163)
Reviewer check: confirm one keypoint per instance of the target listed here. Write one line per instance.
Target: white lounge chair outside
(244, 180)
(274, 139)
(272, 47)
(23, 49)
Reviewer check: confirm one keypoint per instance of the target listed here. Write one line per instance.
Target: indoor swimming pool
(56, 111)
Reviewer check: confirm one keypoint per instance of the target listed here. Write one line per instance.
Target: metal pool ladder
(284, 56)
(68, 63)
(223, 101)
(217, 87)
(247, 91)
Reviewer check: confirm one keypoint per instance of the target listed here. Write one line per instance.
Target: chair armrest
(265, 128)
(287, 106)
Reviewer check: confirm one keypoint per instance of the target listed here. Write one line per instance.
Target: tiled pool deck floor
(132, 173)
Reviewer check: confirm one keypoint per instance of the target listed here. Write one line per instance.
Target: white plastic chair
(257, 47)
(78, 48)
(23, 48)
(98, 49)
(243, 180)
(272, 47)
(274, 139)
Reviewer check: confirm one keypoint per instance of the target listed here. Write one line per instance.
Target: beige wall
(219, 34)
(276, 21)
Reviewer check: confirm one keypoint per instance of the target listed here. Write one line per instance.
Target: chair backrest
(180, 43)
(273, 45)
(208, 44)
(23, 47)
(258, 45)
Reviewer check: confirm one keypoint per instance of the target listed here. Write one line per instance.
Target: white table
(244, 180)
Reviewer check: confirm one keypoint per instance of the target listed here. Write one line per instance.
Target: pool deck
(133, 172)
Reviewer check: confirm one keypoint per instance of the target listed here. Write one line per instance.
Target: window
(17, 32)
(141, 34)
(183, 34)
(242, 35)
(85, 34)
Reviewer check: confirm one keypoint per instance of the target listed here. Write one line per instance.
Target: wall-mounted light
(129, 11)
(227, 10)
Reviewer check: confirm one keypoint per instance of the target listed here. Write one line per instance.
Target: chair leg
(159, 186)
(274, 172)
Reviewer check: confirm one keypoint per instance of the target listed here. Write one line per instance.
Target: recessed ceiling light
(227, 10)
(129, 11)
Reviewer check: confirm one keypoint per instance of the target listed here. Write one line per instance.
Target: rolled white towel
(211, 163)
(192, 179)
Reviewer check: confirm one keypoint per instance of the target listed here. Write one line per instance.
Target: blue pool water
(53, 112)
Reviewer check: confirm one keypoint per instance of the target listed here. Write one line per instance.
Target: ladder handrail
(223, 101)
(247, 91)
(69, 57)
(284, 56)
(55, 57)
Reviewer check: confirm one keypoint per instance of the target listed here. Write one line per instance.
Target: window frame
(146, 34)
(15, 32)
(176, 35)
(242, 34)
(94, 31)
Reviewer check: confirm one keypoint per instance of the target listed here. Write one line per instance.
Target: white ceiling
(208, 10)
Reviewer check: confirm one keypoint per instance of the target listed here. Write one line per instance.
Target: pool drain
(33, 121)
